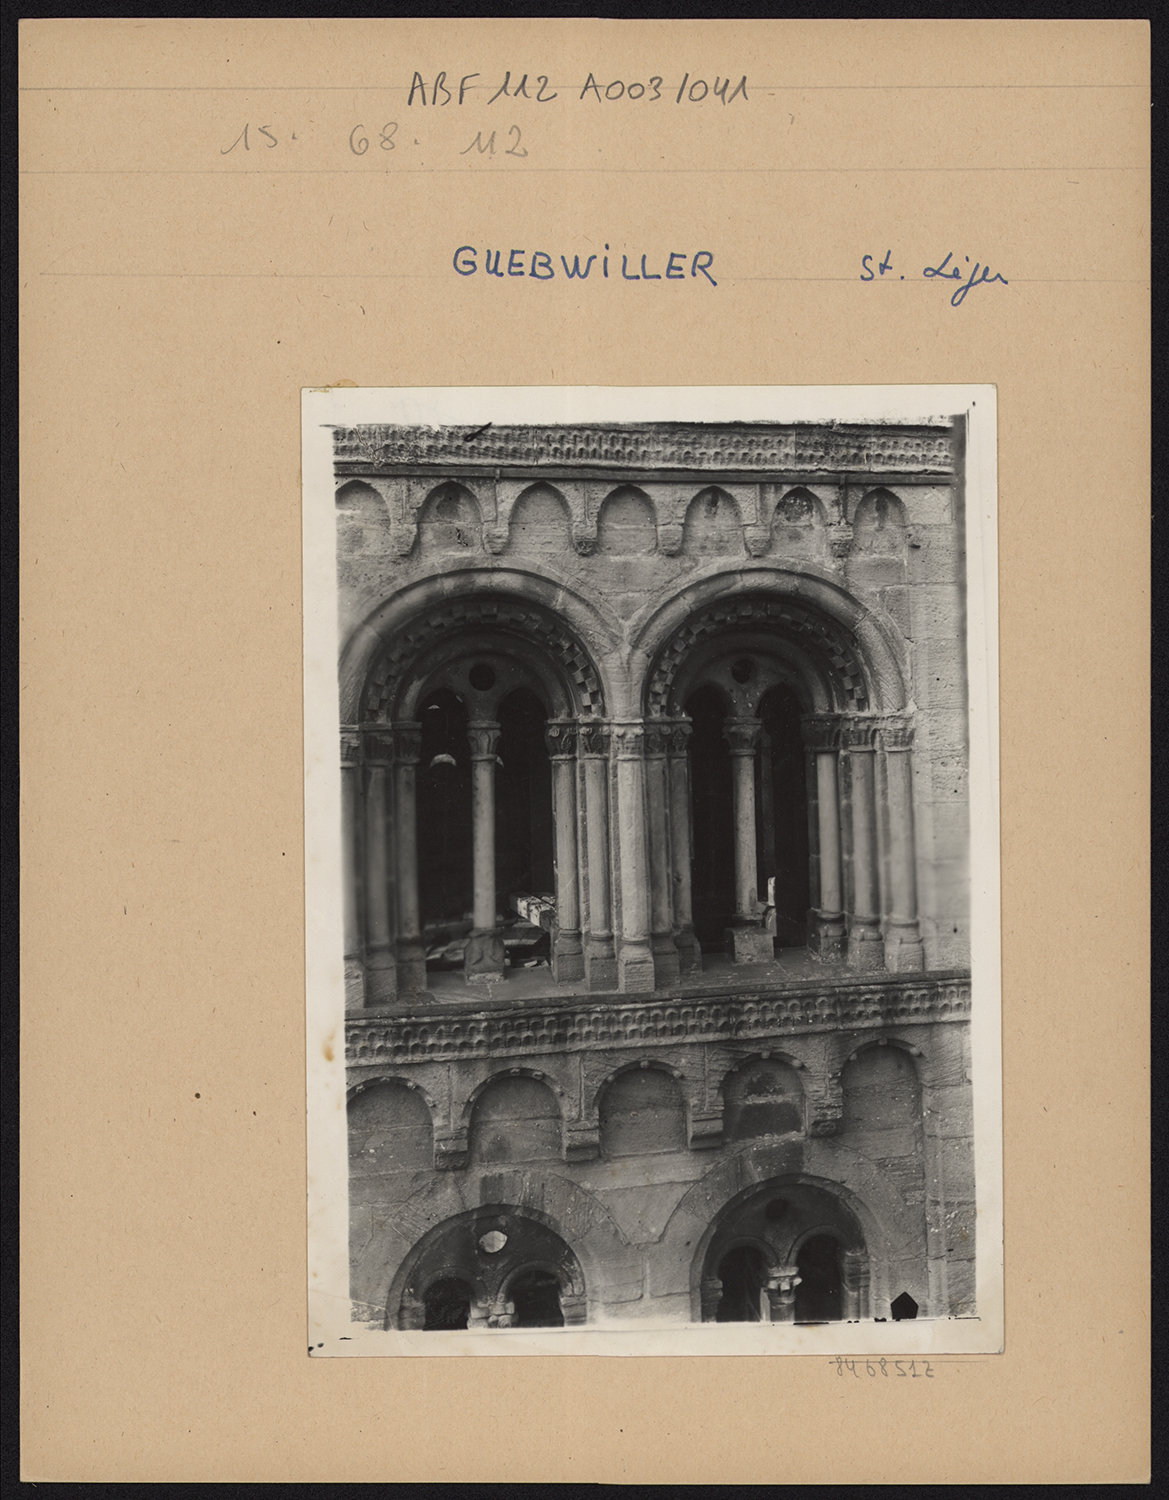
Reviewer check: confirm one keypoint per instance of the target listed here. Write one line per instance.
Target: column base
(635, 968)
(689, 953)
(826, 937)
(381, 978)
(866, 951)
(483, 956)
(567, 957)
(600, 965)
(749, 945)
(904, 951)
(411, 967)
(666, 960)
(354, 984)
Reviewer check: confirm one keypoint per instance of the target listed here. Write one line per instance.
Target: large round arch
(577, 635)
(518, 1271)
(784, 682)
(821, 624)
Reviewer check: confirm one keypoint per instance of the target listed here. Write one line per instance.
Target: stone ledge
(807, 448)
(581, 1025)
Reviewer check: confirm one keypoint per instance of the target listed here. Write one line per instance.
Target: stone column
(600, 961)
(865, 950)
(826, 938)
(689, 954)
(381, 970)
(747, 942)
(854, 1281)
(567, 952)
(710, 1294)
(483, 956)
(351, 881)
(903, 947)
(411, 950)
(635, 965)
(661, 865)
(781, 1293)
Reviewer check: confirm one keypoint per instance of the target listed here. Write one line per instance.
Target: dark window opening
(781, 815)
(536, 1295)
(713, 855)
(818, 1294)
(447, 1304)
(524, 833)
(444, 815)
(903, 1307)
(742, 1277)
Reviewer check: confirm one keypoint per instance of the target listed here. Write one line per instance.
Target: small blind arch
(515, 1119)
(642, 1112)
(390, 1130)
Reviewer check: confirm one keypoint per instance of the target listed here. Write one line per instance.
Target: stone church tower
(654, 783)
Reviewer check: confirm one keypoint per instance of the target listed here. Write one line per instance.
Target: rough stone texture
(604, 563)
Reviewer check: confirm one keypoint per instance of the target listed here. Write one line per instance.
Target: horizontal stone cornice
(583, 1024)
(749, 448)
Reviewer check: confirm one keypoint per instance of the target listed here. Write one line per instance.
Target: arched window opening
(515, 1119)
(536, 1297)
(742, 1274)
(444, 821)
(447, 1304)
(781, 798)
(903, 1307)
(524, 833)
(642, 1113)
(819, 1291)
(813, 1265)
(713, 854)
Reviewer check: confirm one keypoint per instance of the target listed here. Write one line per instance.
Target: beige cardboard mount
(217, 214)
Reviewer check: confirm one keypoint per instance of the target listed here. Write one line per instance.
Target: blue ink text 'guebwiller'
(540, 266)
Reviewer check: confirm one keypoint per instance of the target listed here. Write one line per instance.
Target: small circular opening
(481, 677)
(776, 1209)
(743, 670)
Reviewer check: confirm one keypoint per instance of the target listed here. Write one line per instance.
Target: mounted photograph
(651, 865)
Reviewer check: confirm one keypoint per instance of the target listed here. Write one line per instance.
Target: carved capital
(594, 739)
(483, 738)
(822, 733)
(825, 1106)
(670, 538)
(742, 735)
(758, 540)
(658, 737)
(495, 538)
(680, 732)
(628, 741)
(560, 737)
(377, 748)
(407, 743)
(585, 541)
(897, 735)
(350, 747)
(859, 734)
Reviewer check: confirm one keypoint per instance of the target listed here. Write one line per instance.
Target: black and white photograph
(652, 871)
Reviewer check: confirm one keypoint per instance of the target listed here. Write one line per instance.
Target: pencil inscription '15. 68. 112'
(969, 275)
